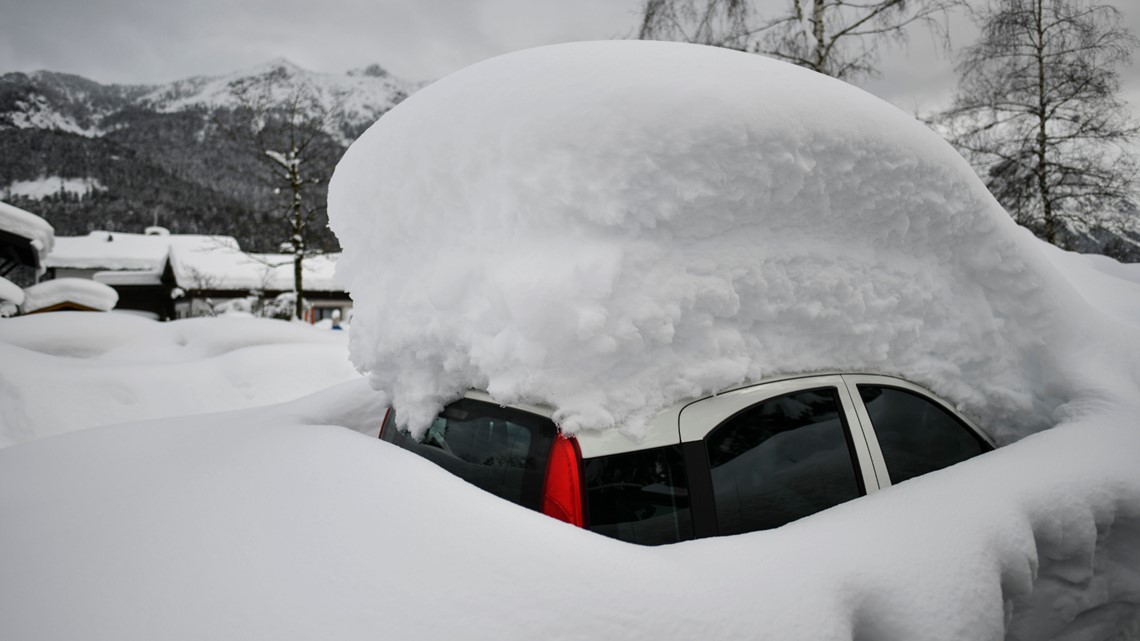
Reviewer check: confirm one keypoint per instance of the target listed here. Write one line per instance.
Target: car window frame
(852, 381)
(701, 417)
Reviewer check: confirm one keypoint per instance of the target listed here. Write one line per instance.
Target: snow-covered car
(752, 458)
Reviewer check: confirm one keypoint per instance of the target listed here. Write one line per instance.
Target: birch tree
(285, 127)
(1038, 112)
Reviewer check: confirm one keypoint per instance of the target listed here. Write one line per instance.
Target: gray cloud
(149, 41)
(158, 41)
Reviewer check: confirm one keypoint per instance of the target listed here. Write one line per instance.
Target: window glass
(499, 449)
(640, 497)
(782, 460)
(916, 434)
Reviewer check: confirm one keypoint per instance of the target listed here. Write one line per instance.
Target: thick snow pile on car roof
(67, 371)
(80, 291)
(611, 227)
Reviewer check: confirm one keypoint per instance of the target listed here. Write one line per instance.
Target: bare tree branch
(1037, 113)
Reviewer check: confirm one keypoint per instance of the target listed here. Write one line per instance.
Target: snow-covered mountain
(65, 102)
(154, 151)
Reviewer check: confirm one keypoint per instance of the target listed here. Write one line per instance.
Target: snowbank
(272, 524)
(1109, 285)
(63, 372)
(27, 225)
(10, 292)
(612, 227)
(11, 296)
(80, 291)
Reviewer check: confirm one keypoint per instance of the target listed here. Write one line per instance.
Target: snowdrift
(67, 371)
(611, 227)
(272, 524)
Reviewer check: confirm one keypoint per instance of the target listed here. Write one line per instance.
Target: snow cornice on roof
(27, 225)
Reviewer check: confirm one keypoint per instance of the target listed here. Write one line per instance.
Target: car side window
(782, 459)
(639, 497)
(916, 434)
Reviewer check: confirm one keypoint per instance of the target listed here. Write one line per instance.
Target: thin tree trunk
(817, 28)
(1042, 134)
(299, 309)
(297, 239)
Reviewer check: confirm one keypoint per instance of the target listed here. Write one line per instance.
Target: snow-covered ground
(293, 522)
(65, 371)
(844, 234)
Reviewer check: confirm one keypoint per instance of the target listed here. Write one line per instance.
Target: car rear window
(500, 449)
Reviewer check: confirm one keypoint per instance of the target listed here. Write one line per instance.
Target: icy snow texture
(612, 227)
(81, 291)
(27, 225)
(62, 372)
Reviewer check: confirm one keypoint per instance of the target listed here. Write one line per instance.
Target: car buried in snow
(751, 458)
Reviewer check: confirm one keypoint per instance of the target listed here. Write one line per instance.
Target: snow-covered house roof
(197, 262)
(69, 293)
(229, 268)
(118, 251)
(36, 231)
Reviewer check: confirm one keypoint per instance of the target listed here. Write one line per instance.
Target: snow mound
(64, 372)
(271, 524)
(80, 291)
(611, 227)
(10, 292)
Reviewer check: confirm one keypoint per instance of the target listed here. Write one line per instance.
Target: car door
(765, 455)
(909, 431)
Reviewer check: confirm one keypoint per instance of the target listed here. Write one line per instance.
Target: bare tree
(1038, 113)
(839, 38)
(286, 129)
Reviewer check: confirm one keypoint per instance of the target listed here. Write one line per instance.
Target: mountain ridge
(159, 150)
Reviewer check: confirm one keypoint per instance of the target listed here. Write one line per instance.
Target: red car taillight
(562, 490)
(384, 423)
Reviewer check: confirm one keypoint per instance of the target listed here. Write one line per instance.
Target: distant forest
(169, 168)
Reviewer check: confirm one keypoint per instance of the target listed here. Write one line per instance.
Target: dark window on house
(500, 449)
(916, 434)
(640, 497)
(781, 460)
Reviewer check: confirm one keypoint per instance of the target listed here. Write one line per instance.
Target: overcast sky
(153, 41)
